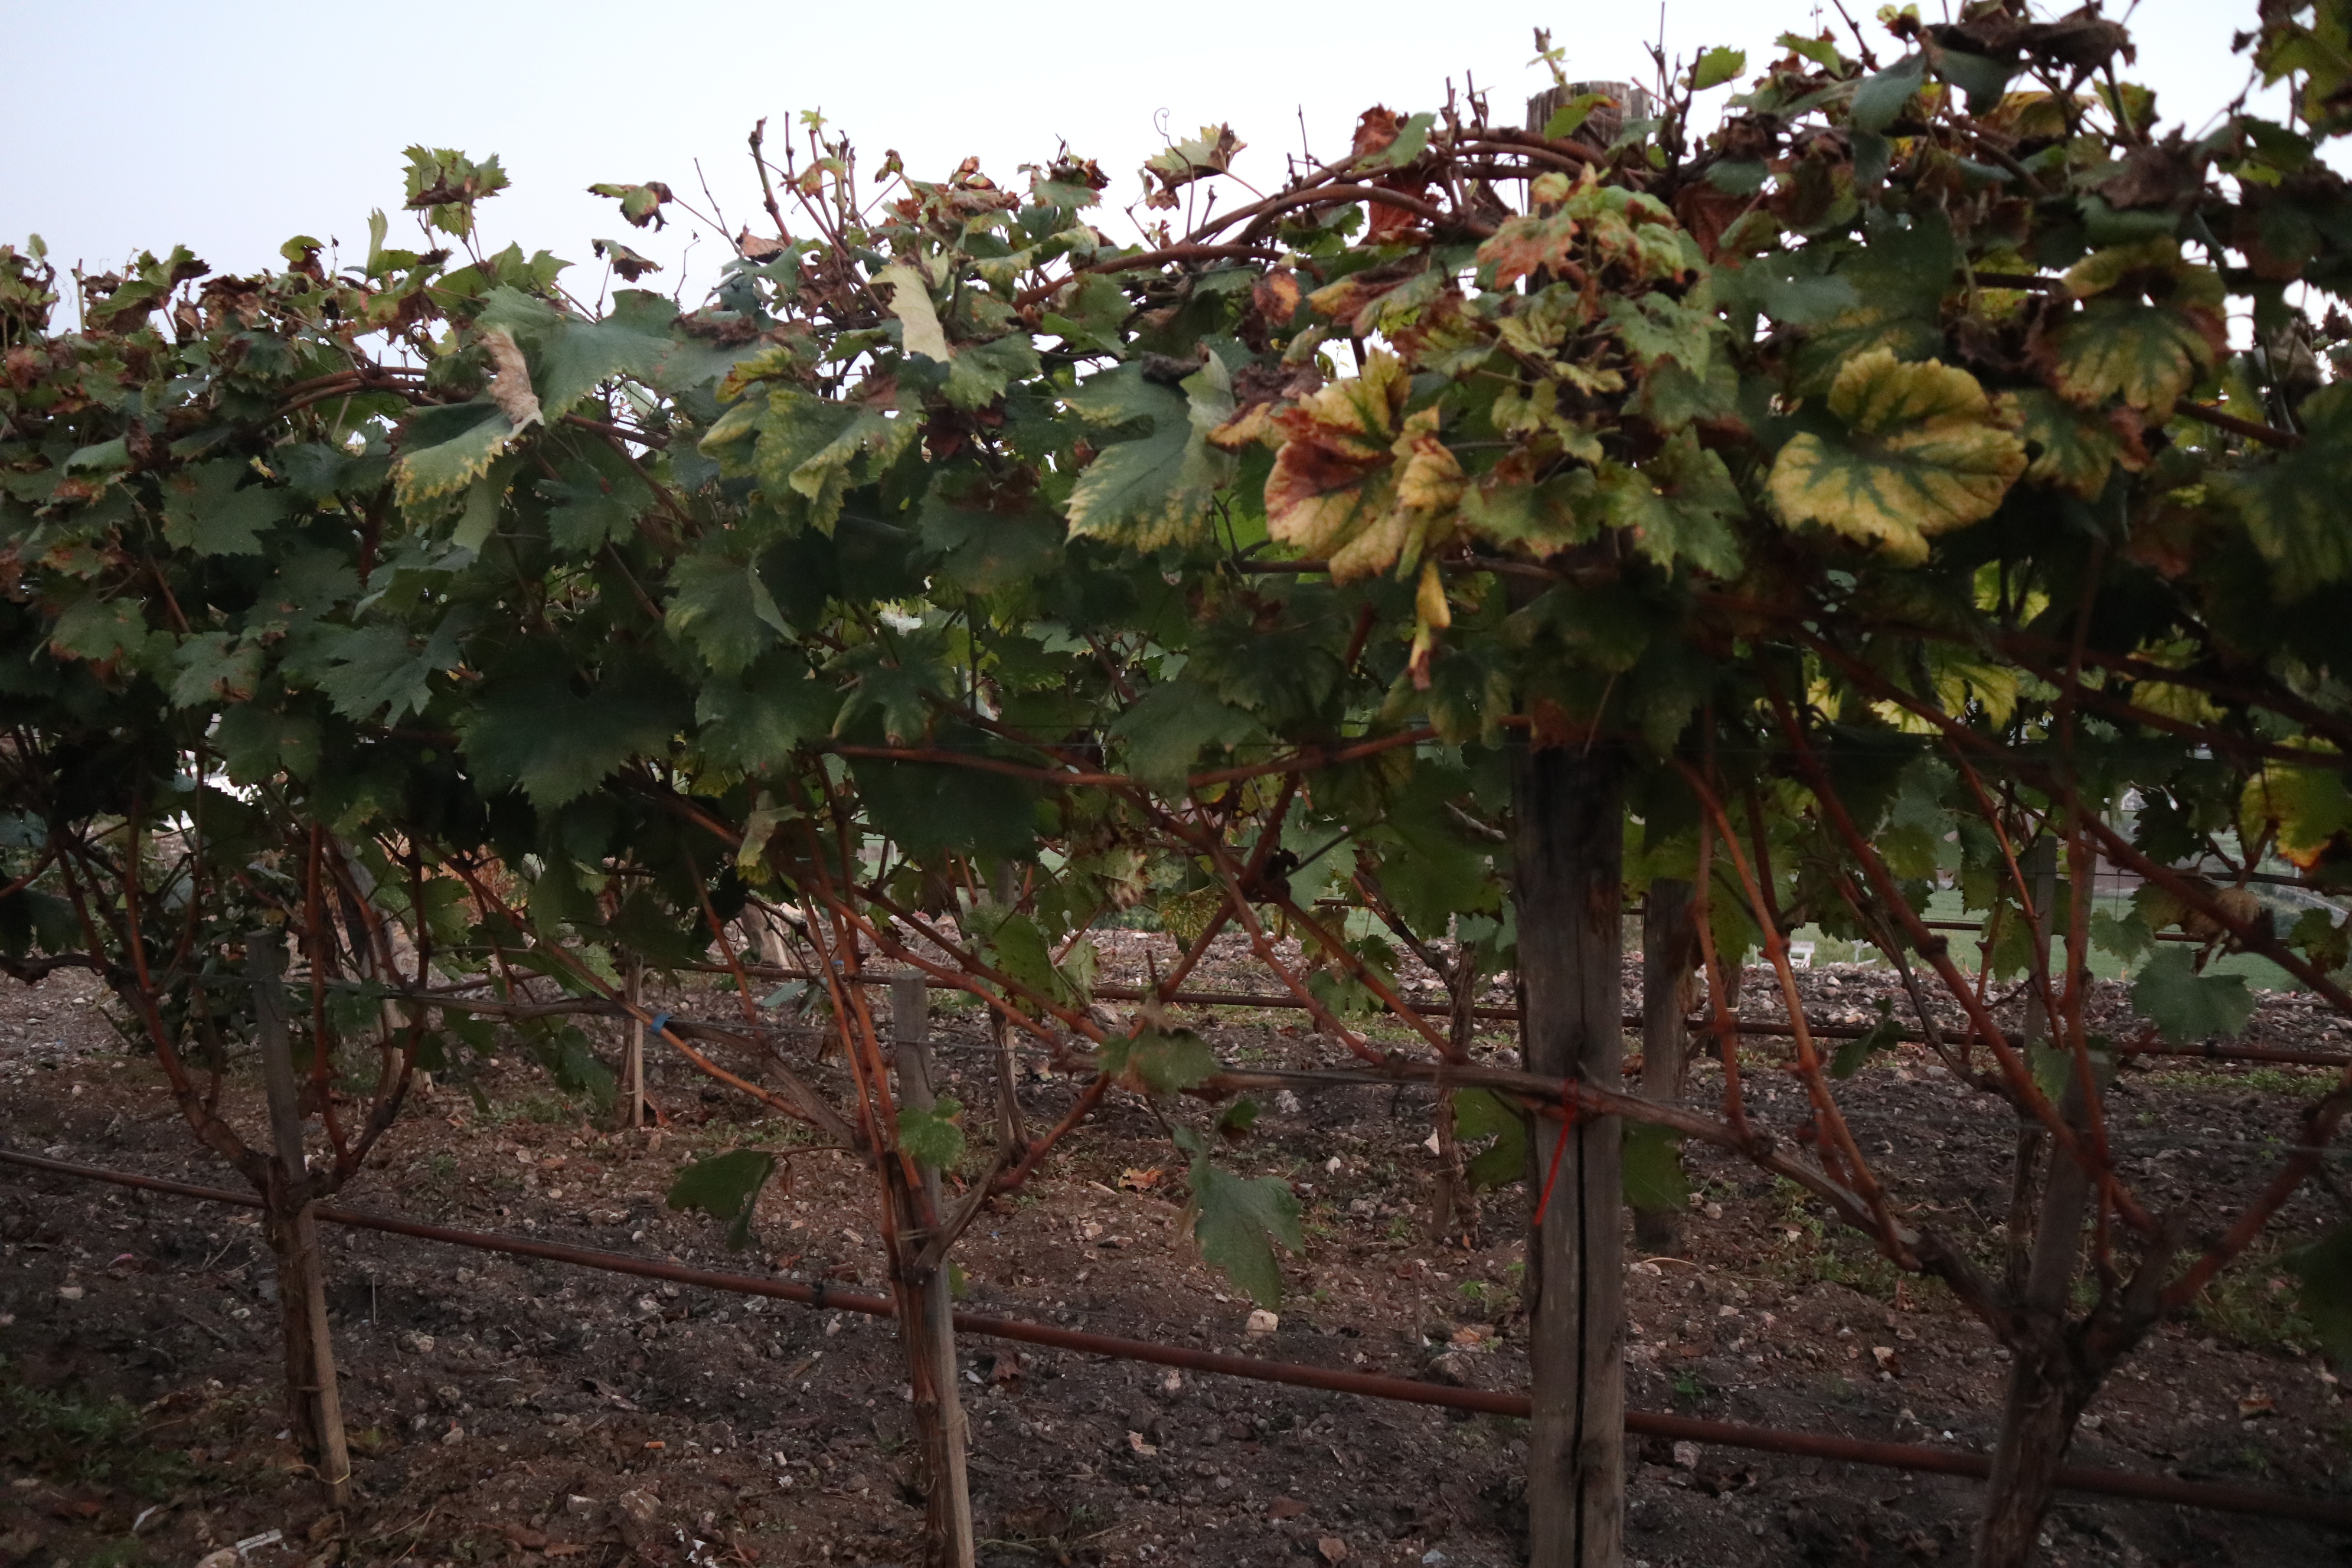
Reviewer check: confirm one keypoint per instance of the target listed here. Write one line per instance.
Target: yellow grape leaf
(2151, 327)
(1924, 451)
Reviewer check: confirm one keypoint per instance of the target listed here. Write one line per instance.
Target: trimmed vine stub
(1866, 482)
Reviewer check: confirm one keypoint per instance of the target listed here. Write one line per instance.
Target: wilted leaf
(444, 449)
(919, 319)
(2306, 807)
(1160, 1061)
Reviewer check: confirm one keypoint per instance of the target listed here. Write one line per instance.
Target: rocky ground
(510, 1409)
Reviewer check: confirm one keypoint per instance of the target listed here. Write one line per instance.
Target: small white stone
(1263, 1322)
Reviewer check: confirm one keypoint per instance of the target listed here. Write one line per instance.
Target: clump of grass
(92, 1441)
(2253, 1305)
(1825, 1253)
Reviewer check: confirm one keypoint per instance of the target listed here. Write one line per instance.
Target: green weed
(92, 1441)
(2252, 1304)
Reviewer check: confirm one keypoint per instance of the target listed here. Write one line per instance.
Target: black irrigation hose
(1372, 1385)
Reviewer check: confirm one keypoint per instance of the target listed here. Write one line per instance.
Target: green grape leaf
(2186, 1006)
(102, 631)
(1882, 1035)
(1679, 506)
(1166, 731)
(569, 1060)
(531, 731)
(727, 1188)
(1653, 1177)
(257, 744)
(979, 372)
(2073, 447)
(577, 355)
(1716, 67)
(1153, 489)
(1923, 453)
(929, 808)
(213, 666)
(1236, 1220)
(931, 1138)
(2127, 936)
(1899, 276)
(1879, 99)
(722, 607)
(1480, 1114)
(777, 706)
(815, 447)
(1159, 1061)
(2318, 936)
(1570, 117)
(2324, 1270)
(372, 668)
(2293, 503)
(205, 512)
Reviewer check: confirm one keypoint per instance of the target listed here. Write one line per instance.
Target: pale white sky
(231, 126)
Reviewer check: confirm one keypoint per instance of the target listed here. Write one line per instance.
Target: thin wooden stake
(633, 1063)
(314, 1402)
(928, 1305)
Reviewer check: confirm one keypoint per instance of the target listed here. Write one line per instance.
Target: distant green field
(2261, 974)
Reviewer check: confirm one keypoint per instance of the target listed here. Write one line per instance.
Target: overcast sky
(231, 126)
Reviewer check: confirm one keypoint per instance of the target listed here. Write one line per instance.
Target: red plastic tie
(1567, 1112)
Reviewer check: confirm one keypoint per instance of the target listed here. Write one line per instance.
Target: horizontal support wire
(2208, 1050)
(1911, 1456)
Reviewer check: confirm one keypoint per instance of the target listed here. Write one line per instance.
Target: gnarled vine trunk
(314, 1407)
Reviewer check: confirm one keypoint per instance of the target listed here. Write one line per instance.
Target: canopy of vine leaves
(1947, 445)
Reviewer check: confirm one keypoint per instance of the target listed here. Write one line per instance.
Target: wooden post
(314, 1404)
(632, 1059)
(926, 1305)
(1568, 803)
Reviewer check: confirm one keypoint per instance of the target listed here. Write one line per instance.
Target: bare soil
(504, 1410)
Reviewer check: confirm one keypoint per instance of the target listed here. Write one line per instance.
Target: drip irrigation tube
(1643, 1422)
